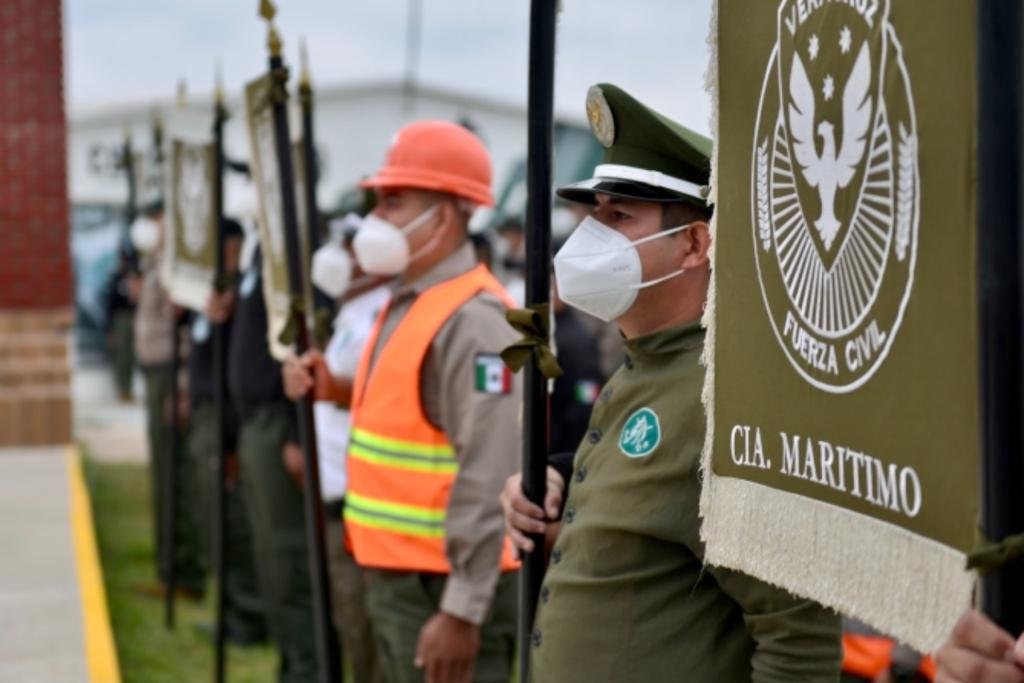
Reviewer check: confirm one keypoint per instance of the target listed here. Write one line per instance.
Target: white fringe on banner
(901, 584)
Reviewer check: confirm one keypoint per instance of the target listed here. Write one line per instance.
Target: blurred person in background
(155, 321)
(270, 470)
(122, 294)
(243, 605)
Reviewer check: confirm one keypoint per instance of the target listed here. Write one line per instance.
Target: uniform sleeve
(483, 426)
(794, 639)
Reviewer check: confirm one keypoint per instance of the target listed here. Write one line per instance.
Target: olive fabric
(401, 602)
(243, 605)
(843, 376)
(627, 596)
(189, 561)
(274, 504)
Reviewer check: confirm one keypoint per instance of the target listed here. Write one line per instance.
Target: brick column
(35, 261)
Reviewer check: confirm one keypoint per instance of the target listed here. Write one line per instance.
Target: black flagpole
(220, 115)
(128, 163)
(1000, 299)
(538, 291)
(326, 642)
(171, 474)
(321, 302)
(131, 210)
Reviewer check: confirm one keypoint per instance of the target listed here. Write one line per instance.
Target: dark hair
(674, 214)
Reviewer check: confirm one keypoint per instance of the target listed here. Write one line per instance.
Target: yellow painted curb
(100, 654)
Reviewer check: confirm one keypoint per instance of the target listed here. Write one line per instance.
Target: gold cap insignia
(602, 123)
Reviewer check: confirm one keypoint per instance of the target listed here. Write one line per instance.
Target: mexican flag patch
(586, 391)
(492, 375)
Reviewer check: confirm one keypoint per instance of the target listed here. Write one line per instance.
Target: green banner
(842, 329)
(190, 255)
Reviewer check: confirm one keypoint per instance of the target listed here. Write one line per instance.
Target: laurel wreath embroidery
(763, 216)
(905, 192)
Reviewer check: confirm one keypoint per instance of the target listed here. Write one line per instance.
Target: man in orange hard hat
(434, 421)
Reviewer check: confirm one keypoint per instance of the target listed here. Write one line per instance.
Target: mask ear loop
(642, 240)
(642, 285)
(418, 223)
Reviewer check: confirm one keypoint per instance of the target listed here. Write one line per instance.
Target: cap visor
(585, 190)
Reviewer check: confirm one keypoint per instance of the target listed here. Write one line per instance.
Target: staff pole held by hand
(1000, 300)
(322, 304)
(219, 348)
(326, 642)
(538, 291)
(170, 506)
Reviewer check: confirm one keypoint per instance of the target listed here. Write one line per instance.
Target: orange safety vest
(868, 656)
(400, 466)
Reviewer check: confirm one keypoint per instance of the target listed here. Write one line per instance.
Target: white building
(354, 124)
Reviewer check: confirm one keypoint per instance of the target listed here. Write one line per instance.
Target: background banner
(842, 453)
(265, 177)
(189, 257)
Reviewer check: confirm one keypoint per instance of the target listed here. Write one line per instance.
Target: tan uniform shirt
(483, 428)
(153, 320)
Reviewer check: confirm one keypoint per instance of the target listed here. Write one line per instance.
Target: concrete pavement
(54, 624)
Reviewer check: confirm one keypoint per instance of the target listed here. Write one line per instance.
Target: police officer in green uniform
(627, 596)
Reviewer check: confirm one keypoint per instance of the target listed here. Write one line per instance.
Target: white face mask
(598, 269)
(381, 248)
(145, 234)
(331, 271)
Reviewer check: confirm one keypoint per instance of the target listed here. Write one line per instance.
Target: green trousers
(243, 605)
(277, 520)
(348, 605)
(123, 342)
(400, 603)
(189, 569)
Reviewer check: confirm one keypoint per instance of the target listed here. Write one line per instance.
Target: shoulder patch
(491, 375)
(641, 434)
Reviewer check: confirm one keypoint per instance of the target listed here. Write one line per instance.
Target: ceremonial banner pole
(171, 480)
(326, 642)
(129, 168)
(130, 212)
(322, 304)
(999, 305)
(219, 390)
(538, 291)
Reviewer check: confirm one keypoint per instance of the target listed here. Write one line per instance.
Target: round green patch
(641, 434)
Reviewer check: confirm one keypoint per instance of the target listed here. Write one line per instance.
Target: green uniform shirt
(627, 596)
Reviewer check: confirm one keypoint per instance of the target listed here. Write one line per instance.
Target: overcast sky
(132, 50)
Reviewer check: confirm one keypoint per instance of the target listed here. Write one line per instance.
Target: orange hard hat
(437, 155)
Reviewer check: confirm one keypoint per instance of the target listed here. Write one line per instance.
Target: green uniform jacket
(627, 597)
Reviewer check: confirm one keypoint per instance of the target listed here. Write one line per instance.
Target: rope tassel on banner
(533, 322)
(989, 557)
(291, 328)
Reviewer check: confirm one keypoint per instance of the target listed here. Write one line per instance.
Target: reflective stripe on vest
(400, 466)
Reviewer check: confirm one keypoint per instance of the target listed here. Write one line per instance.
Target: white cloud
(139, 49)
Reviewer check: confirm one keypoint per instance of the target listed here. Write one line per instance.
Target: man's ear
(698, 245)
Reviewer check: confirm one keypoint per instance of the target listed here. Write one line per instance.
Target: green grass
(146, 650)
